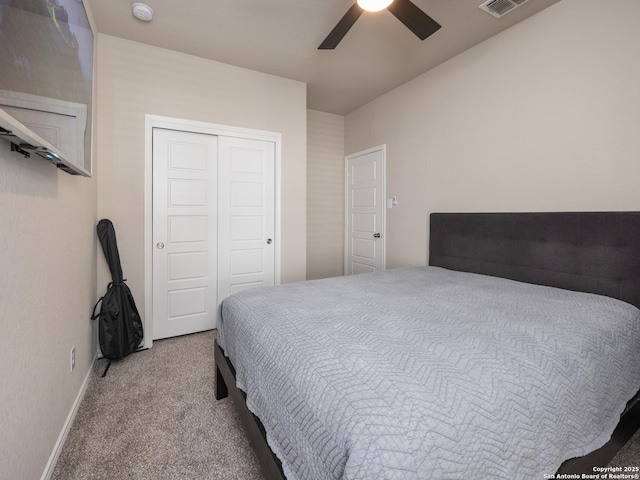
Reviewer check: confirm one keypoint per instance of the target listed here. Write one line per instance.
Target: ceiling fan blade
(341, 29)
(415, 19)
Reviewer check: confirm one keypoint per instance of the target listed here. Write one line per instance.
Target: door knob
(160, 245)
(376, 235)
(269, 241)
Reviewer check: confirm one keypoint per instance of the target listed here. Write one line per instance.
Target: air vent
(498, 8)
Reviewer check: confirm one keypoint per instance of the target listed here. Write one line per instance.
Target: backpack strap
(96, 315)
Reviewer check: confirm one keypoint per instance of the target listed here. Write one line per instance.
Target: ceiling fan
(406, 11)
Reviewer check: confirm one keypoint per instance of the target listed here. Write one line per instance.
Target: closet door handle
(269, 241)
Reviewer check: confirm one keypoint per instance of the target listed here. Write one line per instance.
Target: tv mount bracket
(19, 149)
(14, 147)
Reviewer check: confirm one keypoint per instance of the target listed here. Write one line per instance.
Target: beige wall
(543, 117)
(137, 79)
(325, 195)
(47, 290)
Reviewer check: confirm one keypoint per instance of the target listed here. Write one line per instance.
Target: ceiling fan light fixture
(374, 5)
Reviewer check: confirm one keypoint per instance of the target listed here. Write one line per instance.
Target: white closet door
(184, 232)
(246, 215)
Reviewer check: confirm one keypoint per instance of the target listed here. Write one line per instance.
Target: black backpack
(119, 325)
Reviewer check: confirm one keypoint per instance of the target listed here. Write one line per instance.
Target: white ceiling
(281, 37)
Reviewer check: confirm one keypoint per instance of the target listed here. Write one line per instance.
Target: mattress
(421, 373)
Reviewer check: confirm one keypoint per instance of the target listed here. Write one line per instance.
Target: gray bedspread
(426, 373)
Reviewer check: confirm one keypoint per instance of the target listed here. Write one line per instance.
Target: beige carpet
(154, 417)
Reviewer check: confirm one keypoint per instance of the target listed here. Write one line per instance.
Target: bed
(513, 355)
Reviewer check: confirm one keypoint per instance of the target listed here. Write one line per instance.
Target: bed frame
(594, 252)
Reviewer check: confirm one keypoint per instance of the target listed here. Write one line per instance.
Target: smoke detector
(498, 8)
(142, 11)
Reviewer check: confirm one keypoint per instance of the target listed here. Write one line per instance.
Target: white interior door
(246, 215)
(365, 191)
(184, 232)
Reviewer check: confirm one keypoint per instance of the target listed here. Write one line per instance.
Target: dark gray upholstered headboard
(595, 252)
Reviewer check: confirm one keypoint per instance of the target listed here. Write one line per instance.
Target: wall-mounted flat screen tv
(46, 81)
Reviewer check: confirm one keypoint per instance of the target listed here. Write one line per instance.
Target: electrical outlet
(72, 358)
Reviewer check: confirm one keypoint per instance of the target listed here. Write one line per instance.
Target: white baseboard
(48, 471)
